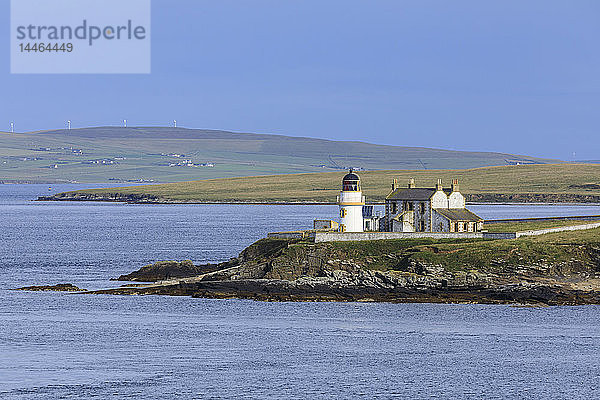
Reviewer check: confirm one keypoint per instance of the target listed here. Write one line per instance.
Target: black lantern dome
(351, 182)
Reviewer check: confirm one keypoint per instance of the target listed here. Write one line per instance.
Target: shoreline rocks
(61, 287)
(295, 270)
(164, 270)
(557, 270)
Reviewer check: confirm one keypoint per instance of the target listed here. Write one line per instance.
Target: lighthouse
(351, 202)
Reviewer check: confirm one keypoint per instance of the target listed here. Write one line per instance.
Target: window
(343, 213)
(351, 186)
(394, 208)
(408, 206)
(367, 225)
(422, 206)
(422, 226)
(441, 227)
(342, 228)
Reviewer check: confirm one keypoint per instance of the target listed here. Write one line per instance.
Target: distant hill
(112, 154)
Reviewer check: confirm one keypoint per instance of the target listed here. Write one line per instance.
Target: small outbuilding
(325, 225)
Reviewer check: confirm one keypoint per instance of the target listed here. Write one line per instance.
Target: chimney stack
(394, 185)
(439, 185)
(455, 186)
(411, 183)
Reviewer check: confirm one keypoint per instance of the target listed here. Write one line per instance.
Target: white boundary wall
(559, 229)
(349, 236)
(360, 236)
(321, 237)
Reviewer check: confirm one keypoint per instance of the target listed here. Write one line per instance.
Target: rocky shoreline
(472, 198)
(164, 270)
(398, 271)
(61, 287)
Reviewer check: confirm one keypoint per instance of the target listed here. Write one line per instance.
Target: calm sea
(56, 345)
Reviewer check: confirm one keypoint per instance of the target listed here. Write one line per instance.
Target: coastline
(531, 198)
(557, 269)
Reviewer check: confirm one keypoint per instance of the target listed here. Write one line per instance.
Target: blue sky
(510, 76)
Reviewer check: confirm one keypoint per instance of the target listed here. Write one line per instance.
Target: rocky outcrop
(396, 271)
(61, 287)
(164, 270)
(109, 197)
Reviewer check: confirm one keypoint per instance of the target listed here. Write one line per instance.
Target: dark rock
(61, 287)
(164, 270)
(264, 248)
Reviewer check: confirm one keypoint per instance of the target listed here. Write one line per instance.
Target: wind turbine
(125, 123)
(69, 124)
(12, 127)
(175, 123)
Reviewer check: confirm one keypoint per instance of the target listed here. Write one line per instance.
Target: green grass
(476, 254)
(569, 179)
(234, 154)
(531, 225)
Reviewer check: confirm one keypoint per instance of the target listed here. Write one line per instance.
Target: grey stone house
(413, 209)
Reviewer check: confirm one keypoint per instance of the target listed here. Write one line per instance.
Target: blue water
(56, 345)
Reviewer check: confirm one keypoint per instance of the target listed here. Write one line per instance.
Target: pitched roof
(458, 214)
(411, 194)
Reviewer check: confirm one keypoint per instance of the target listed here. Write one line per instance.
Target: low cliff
(554, 269)
(164, 270)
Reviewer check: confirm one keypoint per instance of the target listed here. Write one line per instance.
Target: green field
(559, 179)
(109, 154)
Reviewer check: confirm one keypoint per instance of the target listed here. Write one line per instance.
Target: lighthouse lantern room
(351, 202)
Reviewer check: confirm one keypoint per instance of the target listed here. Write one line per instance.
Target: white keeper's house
(413, 209)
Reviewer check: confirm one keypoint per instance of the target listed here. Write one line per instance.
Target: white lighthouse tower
(351, 203)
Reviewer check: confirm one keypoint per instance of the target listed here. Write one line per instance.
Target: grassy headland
(522, 183)
(477, 254)
(559, 268)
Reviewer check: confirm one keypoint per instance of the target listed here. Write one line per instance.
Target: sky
(509, 76)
